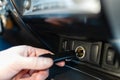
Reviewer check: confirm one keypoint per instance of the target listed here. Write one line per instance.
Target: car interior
(90, 28)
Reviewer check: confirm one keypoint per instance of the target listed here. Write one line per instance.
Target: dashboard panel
(58, 8)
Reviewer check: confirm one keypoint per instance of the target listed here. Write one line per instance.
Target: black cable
(25, 26)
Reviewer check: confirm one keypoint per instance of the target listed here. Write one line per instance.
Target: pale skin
(23, 63)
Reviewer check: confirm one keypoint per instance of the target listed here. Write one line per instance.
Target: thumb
(38, 63)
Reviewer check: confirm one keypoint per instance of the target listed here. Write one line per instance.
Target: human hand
(24, 60)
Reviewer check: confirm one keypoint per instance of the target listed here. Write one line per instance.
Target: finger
(37, 51)
(25, 50)
(41, 75)
(31, 72)
(38, 63)
(61, 64)
(29, 78)
(26, 76)
(20, 74)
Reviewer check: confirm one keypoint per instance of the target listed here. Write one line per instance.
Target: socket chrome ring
(80, 52)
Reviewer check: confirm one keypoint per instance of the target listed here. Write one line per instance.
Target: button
(94, 53)
(110, 58)
(66, 45)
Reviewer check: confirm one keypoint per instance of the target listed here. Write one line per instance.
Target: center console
(89, 36)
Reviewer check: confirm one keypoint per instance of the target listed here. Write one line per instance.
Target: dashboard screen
(58, 8)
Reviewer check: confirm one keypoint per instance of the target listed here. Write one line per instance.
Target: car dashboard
(93, 33)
